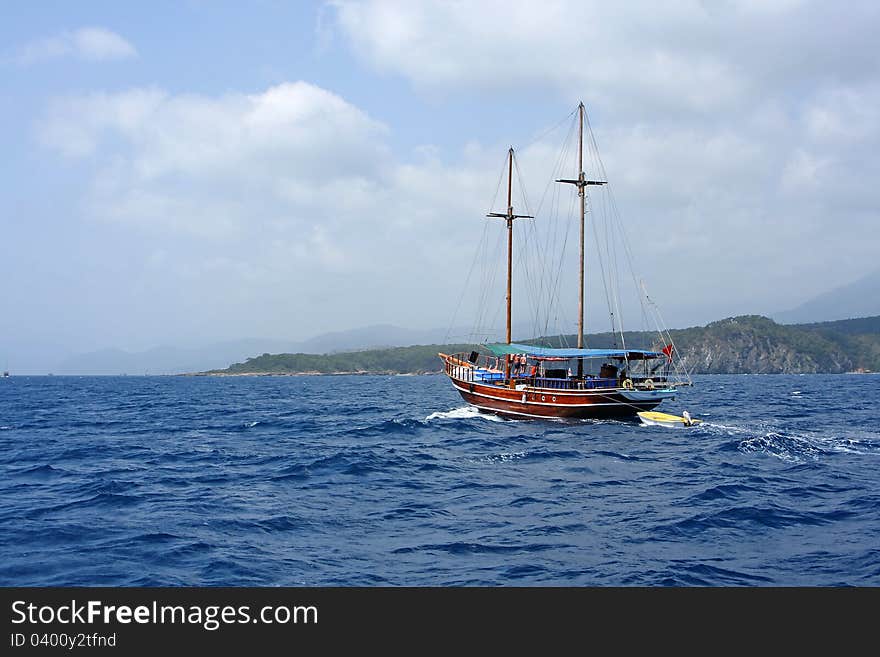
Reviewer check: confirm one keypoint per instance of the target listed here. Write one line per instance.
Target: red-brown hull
(548, 403)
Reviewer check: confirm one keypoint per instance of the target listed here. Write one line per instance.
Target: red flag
(668, 351)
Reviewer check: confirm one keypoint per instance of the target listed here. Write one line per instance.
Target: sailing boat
(538, 381)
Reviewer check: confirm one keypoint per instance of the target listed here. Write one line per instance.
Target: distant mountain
(749, 344)
(380, 335)
(168, 359)
(858, 299)
(178, 360)
(386, 335)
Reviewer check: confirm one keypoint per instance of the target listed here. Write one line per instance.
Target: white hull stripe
(537, 403)
(604, 392)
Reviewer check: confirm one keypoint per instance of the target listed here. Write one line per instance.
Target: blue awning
(547, 352)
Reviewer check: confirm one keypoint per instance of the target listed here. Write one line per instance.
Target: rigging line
(613, 284)
(543, 238)
(552, 233)
(556, 287)
(557, 165)
(613, 264)
(489, 272)
(498, 186)
(522, 188)
(546, 286)
(550, 237)
(605, 224)
(629, 256)
(554, 277)
(616, 215)
(551, 129)
(615, 210)
(562, 164)
(484, 280)
(668, 335)
(611, 246)
(665, 335)
(601, 260)
(532, 282)
(493, 265)
(483, 239)
(523, 249)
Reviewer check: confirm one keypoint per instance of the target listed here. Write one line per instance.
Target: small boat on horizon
(522, 379)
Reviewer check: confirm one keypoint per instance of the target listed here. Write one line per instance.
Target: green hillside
(737, 345)
(396, 360)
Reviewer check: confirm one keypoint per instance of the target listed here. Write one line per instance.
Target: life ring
(649, 384)
(628, 384)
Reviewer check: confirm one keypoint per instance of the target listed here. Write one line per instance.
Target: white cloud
(744, 132)
(87, 43)
(566, 46)
(682, 56)
(219, 165)
(294, 189)
(845, 114)
(290, 197)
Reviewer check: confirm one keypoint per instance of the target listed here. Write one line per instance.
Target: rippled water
(393, 481)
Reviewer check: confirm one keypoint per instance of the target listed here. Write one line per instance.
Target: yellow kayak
(654, 418)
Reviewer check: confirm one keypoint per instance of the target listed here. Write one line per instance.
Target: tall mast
(581, 196)
(509, 216)
(509, 237)
(581, 182)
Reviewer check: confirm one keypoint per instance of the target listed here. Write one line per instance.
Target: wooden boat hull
(526, 401)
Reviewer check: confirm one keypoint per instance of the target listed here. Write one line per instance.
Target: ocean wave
(465, 548)
(704, 574)
(798, 447)
(396, 426)
(465, 413)
(39, 471)
(724, 492)
(741, 518)
(795, 447)
(391, 480)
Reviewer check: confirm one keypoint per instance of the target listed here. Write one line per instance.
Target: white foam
(506, 456)
(797, 446)
(463, 413)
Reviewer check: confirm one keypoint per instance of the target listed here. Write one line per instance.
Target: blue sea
(393, 480)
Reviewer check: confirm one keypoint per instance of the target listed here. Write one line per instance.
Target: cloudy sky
(182, 172)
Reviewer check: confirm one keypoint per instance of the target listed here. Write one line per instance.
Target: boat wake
(795, 447)
(465, 413)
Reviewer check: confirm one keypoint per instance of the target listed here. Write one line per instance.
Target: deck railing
(460, 368)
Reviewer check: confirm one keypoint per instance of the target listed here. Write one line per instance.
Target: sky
(189, 172)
